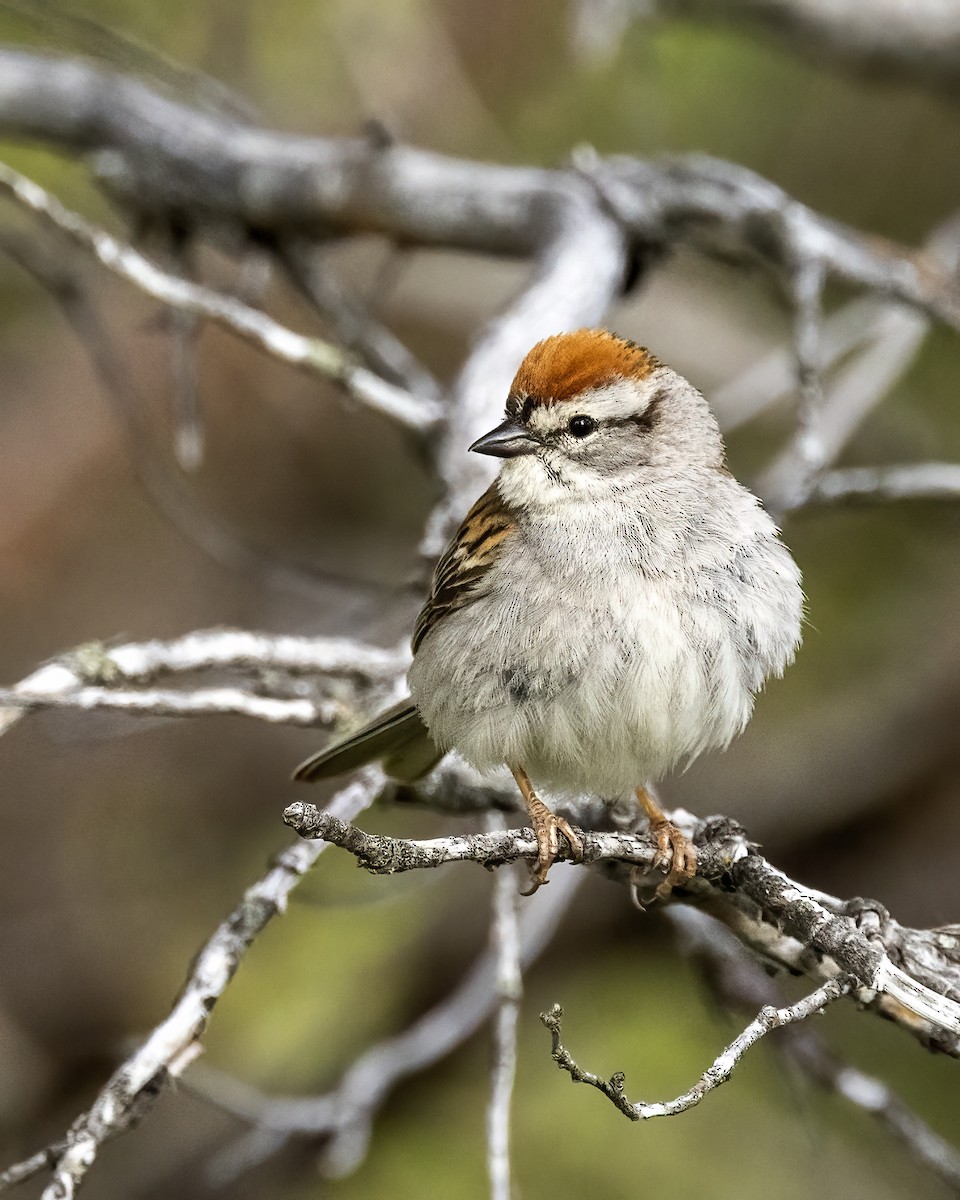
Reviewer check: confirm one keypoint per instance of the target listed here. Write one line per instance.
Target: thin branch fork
(769, 1018)
(413, 413)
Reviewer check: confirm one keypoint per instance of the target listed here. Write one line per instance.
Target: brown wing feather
(458, 579)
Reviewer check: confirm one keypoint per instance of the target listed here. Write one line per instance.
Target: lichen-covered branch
(96, 676)
(908, 975)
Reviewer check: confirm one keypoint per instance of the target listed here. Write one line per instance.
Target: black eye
(581, 426)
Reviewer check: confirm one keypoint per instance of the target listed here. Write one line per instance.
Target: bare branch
(253, 326)
(873, 485)
(773, 376)
(581, 259)
(43, 1160)
(114, 46)
(892, 337)
(189, 439)
(307, 262)
(807, 279)
(876, 1097)
(725, 210)
(239, 649)
(855, 390)
(719, 1072)
(163, 486)
(163, 156)
(389, 856)
(174, 1043)
(345, 1116)
(156, 702)
(89, 676)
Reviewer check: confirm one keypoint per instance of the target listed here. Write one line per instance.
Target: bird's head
(589, 410)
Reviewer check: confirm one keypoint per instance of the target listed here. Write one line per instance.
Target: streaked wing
(458, 579)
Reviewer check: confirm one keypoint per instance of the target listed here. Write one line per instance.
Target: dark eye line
(651, 414)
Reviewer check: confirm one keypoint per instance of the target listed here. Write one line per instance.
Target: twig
(506, 948)
(41, 1161)
(187, 418)
(916, 41)
(250, 324)
(307, 263)
(807, 281)
(173, 1044)
(722, 1068)
(115, 47)
(773, 376)
(856, 389)
(892, 337)
(876, 1097)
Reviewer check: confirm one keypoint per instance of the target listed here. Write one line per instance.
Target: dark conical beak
(506, 441)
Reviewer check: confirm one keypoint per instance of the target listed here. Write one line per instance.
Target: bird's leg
(547, 827)
(676, 855)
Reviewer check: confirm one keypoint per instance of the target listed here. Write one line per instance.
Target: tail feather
(397, 736)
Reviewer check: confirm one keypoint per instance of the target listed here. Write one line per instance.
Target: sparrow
(608, 608)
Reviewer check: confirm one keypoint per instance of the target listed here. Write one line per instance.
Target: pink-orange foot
(676, 855)
(547, 828)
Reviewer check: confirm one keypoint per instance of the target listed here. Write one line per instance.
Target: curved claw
(547, 828)
(676, 855)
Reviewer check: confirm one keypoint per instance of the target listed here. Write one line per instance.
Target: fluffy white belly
(586, 699)
(599, 663)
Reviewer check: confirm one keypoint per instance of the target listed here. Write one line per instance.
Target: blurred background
(123, 841)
